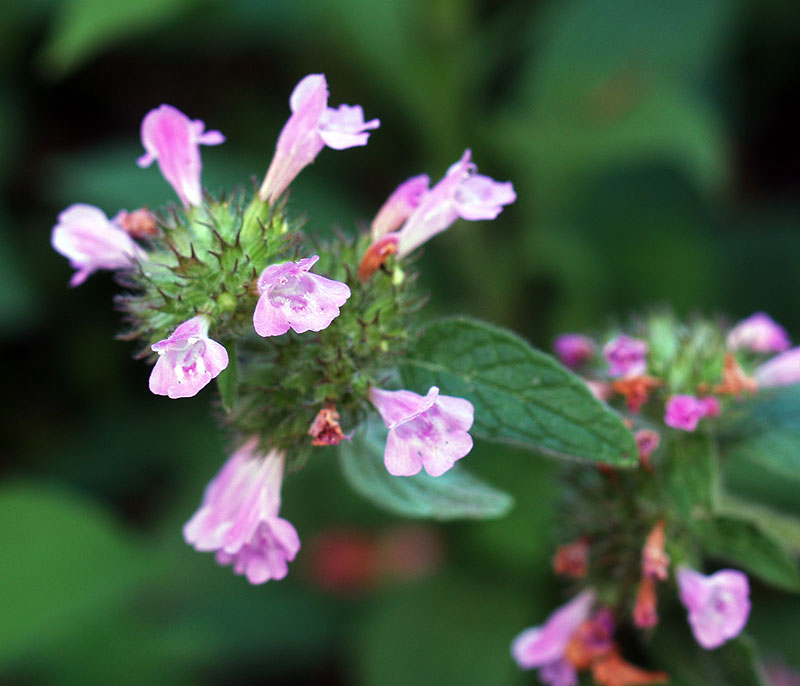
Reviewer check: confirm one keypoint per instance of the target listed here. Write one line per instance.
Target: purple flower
(86, 237)
(545, 646)
(573, 349)
(400, 205)
(311, 127)
(292, 297)
(626, 356)
(685, 411)
(781, 370)
(461, 193)
(239, 517)
(718, 604)
(758, 333)
(429, 431)
(173, 139)
(187, 360)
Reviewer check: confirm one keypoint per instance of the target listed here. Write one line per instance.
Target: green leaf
(521, 395)
(692, 474)
(228, 380)
(746, 545)
(769, 433)
(63, 561)
(784, 527)
(736, 662)
(83, 28)
(457, 494)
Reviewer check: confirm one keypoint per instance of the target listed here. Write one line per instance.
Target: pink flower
(685, 411)
(647, 442)
(573, 349)
(712, 406)
(173, 139)
(781, 370)
(545, 646)
(718, 604)
(461, 193)
(626, 356)
(292, 297)
(86, 237)
(429, 431)
(239, 517)
(758, 333)
(187, 360)
(400, 205)
(311, 127)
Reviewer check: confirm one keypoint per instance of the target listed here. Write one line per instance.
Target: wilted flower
(187, 360)
(461, 193)
(311, 126)
(173, 139)
(647, 442)
(626, 356)
(655, 562)
(545, 646)
(292, 297)
(644, 610)
(781, 370)
(239, 517)
(572, 559)
(86, 237)
(573, 349)
(424, 431)
(718, 604)
(758, 333)
(325, 429)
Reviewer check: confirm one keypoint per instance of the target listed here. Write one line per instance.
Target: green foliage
(692, 474)
(688, 664)
(768, 433)
(745, 544)
(521, 395)
(63, 562)
(457, 494)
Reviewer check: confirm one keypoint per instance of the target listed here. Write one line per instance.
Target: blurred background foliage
(655, 151)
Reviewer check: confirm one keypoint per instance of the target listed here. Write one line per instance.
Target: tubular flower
(325, 429)
(734, 380)
(573, 349)
(86, 237)
(626, 356)
(173, 139)
(758, 333)
(424, 431)
(461, 193)
(187, 360)
(718, 604)
(292, 297)
(311, 126)
(239, 517)
(400, 205)
(644, 611)
(545, 646)
(782, 370)
(685, 411)
(655, 562)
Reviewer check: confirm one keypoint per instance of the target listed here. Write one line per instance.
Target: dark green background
(655, 152)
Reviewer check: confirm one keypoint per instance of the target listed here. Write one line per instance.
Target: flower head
(718, 604)
(311, 126)
(758, 333)
(173, 139)
(545, 646)
(400, 205)
(187, 360)
(424, 431)
(239, 517)
(86, 237)
(461, 193)
(293, 297)
(626, 356)
(573, 349)
(781, 370)
(685, 411)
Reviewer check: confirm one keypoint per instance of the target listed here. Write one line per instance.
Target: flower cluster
(672, 383)
(229, 289)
